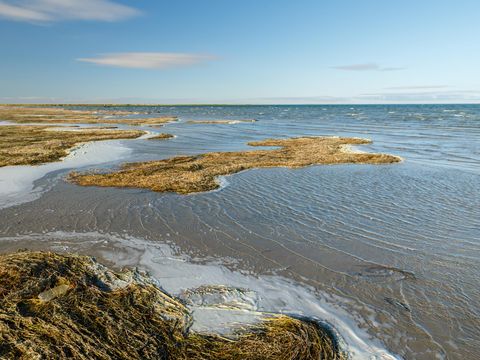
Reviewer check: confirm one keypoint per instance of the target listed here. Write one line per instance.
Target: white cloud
(58, 10)
(21, 13)
(148, 60)
(366, 67)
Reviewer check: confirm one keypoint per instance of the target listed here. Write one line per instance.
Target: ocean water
(394, 249)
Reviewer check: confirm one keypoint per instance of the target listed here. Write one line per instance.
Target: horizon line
(230, 104)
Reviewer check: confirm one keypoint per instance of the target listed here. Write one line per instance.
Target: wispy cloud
(417, 87)
(366, 67)
(41, 11)
(152, 60)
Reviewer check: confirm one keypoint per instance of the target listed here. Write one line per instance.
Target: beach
(386, 254)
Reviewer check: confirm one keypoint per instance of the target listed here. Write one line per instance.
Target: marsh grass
(153, 122)
(278, 338)
(56, 306)
(190, 174)
(59, 115)
(32, 145)
(162, 136)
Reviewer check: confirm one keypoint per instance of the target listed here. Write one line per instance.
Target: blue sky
(226, 51)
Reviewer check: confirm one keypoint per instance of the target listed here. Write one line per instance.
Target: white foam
(17, 182)
(234, 122)
(148, 135)
(276, 294)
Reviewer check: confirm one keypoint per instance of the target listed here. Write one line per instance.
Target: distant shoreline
(229, 104)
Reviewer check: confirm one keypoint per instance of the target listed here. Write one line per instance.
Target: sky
(248, 51)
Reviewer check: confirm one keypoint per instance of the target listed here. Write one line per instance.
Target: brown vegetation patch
(56, 306)
(153, 122)
(162, 136)
(189, 174)
(31, 145)
(29, 114)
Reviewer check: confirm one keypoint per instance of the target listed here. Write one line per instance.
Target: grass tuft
(162, 136)
(56, 306)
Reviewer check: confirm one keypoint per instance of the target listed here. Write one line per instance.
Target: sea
(387, 255)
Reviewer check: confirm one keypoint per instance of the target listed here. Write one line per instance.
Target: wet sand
(216, 308)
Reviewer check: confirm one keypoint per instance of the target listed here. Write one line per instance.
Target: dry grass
(31, 145)
(153, 122)
(189, 174)
(66, 306)
(162, 136)
(48, 115)
(228, 122)
(279, 338)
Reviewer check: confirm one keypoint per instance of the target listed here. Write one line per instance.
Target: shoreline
(39, 145)
(77, 301)
(324, 224)
(242, 104)
(58, 115)
(176, 273)
(17, 181)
